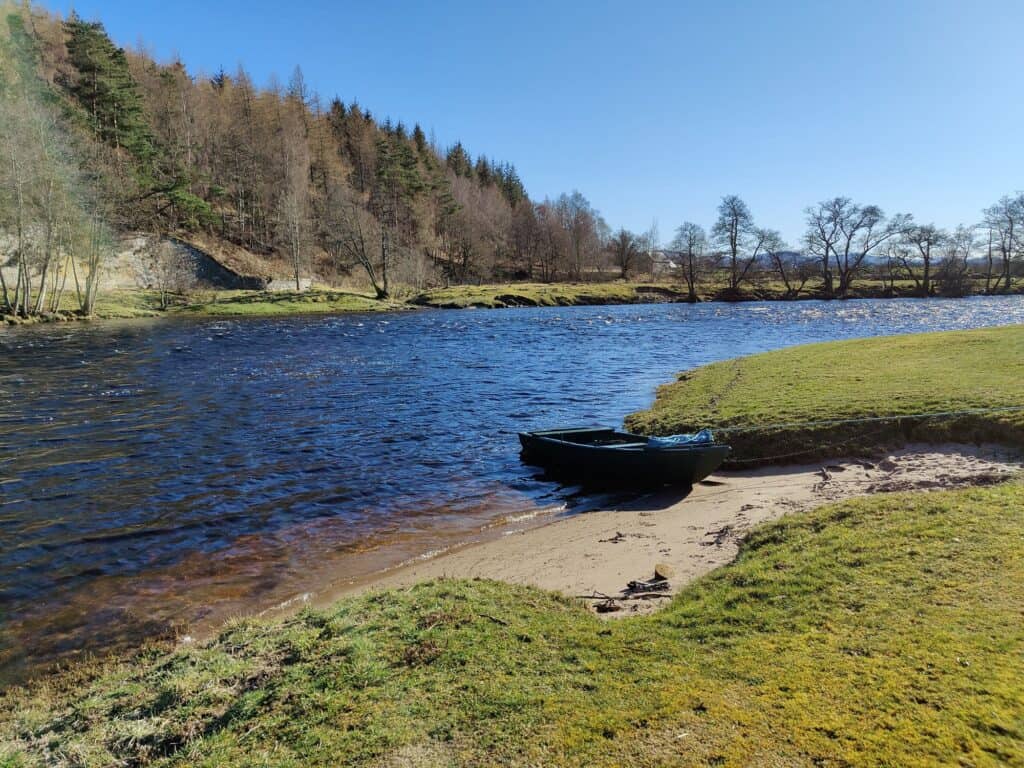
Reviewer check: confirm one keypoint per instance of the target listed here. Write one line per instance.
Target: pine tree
(337, 109)
(484, 174)
(419, 139)
(107, 90)
(220, 79)
(397, 185)
(458, 161)
(511, 186)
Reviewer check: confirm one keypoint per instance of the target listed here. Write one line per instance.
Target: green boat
(601, 456)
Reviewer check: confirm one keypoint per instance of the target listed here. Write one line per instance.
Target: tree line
(845, 241)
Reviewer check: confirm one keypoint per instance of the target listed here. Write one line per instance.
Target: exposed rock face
(133, 266)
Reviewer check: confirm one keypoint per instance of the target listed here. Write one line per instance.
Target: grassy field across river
(145, 303)
(878, 631)
(136, 303)
(624, 292)
(142, 302)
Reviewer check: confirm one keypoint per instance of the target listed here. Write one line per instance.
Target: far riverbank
(133, 303)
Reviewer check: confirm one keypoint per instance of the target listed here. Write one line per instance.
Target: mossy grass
(130, 303)
(529, 295)
(127, 303)
(317, 301)
(879, 631)
(495, 296)
(854, 383)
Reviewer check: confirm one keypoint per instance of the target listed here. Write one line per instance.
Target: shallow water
(155, 475)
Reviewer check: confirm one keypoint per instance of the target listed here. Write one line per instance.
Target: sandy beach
(600, 552)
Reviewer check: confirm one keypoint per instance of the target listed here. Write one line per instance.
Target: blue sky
(655, 110)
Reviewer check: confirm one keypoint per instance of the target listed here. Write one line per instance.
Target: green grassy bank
(622, 292)
(146, 303)
(238, 303)
(130, 303)
(893, 376)
(883, 631)
(538, 295)
(136, 303)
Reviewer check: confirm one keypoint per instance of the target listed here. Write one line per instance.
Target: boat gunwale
(547, 436)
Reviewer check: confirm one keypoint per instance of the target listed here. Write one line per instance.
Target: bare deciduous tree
(169, 270)
(952, 271)
(586, 232)
(625, 249)
(731, 231)
(354, 235)
(41, 203)
(863, 229)
(293, 204)
(842, 234)
(923, 242)
(691, 242)
(1005, 223)
(793, 269)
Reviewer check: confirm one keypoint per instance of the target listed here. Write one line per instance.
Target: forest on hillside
(98, 141)
(110, 140)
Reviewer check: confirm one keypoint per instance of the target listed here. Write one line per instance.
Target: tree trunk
(691, 279)
(926, 281)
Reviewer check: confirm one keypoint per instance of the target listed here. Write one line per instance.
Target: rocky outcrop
(134, 266)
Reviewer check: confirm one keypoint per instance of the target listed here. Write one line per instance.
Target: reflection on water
(155, 475)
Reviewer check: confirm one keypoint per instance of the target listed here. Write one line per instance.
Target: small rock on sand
(664, 571)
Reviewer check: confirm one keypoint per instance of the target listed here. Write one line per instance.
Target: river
(158, 475)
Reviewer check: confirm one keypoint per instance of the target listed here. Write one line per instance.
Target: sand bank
(601, 551)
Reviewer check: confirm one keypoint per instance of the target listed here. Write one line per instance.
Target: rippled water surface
(155, 475)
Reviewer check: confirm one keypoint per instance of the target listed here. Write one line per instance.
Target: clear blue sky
(655, 110)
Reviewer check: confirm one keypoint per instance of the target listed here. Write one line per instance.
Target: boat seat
(627, 445)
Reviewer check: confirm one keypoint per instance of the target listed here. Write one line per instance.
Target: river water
(156, 475)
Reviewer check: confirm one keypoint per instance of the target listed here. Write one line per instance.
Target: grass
(131, 303)
(528, 294)
(890, 376)
(122, 303)
(236, 303)
(136, 303)
(622, 292)
(881, 631)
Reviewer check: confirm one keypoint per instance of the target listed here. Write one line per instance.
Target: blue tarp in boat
(704, 437)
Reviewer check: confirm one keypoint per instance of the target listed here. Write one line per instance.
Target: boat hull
(603, 457)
